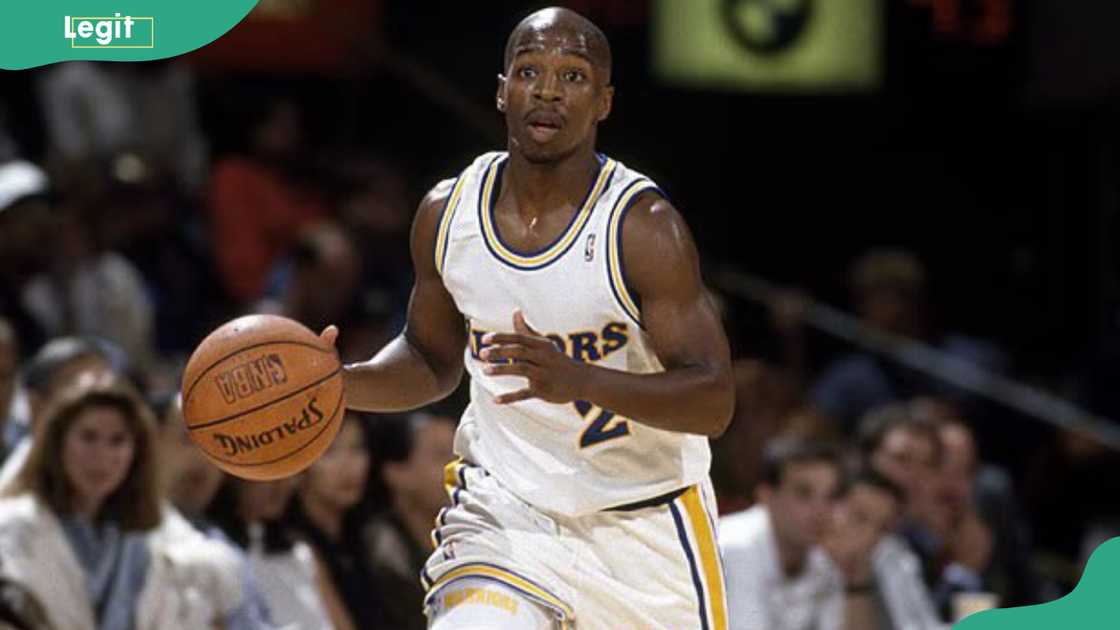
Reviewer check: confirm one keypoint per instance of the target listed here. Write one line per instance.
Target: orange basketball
(262, 397)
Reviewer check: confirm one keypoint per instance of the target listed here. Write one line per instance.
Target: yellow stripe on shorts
(705, 542)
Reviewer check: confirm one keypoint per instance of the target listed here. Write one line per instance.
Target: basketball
(262, 397)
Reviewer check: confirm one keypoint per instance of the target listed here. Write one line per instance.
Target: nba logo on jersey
(589, 249)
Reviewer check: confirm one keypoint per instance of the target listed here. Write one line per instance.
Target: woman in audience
(81, 526)
(284, 570)
(329, 515)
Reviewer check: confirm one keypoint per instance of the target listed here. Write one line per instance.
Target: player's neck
(539, 187)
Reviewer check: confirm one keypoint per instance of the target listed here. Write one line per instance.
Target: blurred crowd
(849, 484)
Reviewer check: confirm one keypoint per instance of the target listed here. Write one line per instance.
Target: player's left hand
(553, 376)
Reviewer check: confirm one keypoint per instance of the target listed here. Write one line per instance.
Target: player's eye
(527, 72)
(575, 76)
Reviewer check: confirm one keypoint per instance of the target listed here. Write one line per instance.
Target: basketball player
(598, 369)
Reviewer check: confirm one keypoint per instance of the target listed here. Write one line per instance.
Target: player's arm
(425, 362)
(695, 393)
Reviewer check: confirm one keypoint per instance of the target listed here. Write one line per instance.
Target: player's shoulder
(436, 197)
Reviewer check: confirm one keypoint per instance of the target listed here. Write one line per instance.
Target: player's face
(802, 505)
(552, 96)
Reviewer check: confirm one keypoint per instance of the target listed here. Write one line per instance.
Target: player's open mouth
(543, 132)
(543, 125)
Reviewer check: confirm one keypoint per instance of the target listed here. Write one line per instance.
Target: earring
(501, 105)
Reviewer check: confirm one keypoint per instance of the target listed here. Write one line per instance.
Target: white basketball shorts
(649, 565)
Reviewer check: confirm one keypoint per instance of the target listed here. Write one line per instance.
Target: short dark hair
(876, 424)
(868, 476)
(780, 453)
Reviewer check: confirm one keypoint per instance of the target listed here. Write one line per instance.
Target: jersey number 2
(604, 424)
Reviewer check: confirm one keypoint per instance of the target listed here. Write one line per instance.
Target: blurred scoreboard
(781, 45)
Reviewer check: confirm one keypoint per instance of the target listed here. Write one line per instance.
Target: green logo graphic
(1091, 606)
(113, 30)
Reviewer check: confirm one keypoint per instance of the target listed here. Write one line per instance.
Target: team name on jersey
(586, 346)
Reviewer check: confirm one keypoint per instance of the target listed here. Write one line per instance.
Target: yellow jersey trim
(562, 244)
(615, 264)
(445, 221)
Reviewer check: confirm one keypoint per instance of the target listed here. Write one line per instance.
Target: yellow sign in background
(770, 45)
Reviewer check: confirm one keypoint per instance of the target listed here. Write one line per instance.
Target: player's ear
(500, 98)
(606, 101)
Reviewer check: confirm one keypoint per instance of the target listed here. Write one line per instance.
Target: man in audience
(903, 443)
(413, 453)
(883, 578)
(778, 576)
(987, 537)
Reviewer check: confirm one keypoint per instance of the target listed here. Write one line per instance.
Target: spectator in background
(96, 112)
(880, 570)
(778, 576)
(980, 501)
(376, 211)
(192, 481)
(889, 290)
(79, 525)
(285, 570)
(57, 364)
(27, 227)
(190, 478)
(954, 545)
(320, 283)
(89, 290)
(412, 453)
(329, 514)
(257, 208)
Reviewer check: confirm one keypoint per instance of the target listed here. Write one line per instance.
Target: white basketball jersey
(573, 458)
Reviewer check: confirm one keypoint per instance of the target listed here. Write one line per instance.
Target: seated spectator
(889, 289)
(778, 577)
(257, 208)
(91, 290)
(906, 448)
(986, 536)
(27, 229)
(284, 570)
(81, 526)
(192, 481)
(883, 578)
(412, 453)
(330, 516)
(57, 364)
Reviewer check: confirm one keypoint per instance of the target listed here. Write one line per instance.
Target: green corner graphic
(1093, 604)
(49, 31)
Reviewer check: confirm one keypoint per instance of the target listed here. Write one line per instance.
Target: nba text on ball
(105, 31)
